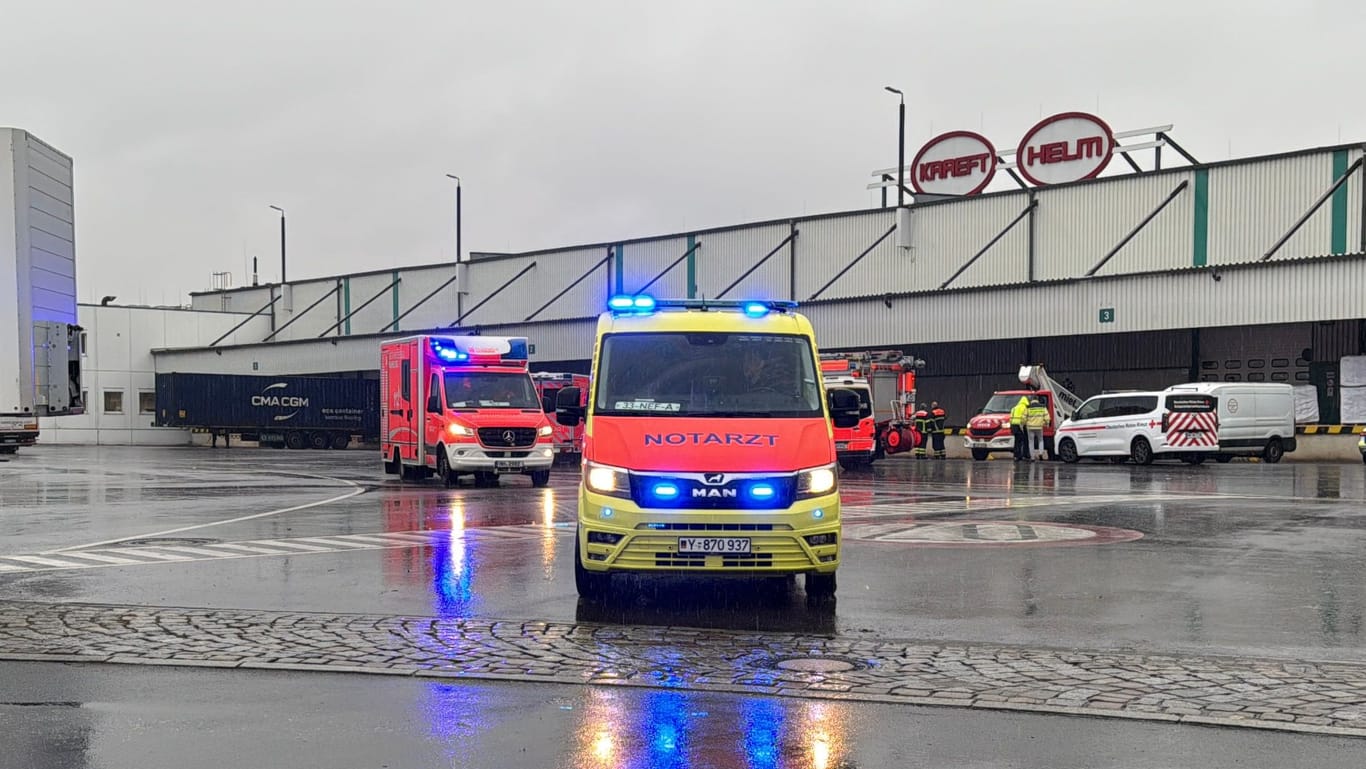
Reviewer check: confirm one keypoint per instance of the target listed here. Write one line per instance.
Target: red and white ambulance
(568, 439)
(462, 405)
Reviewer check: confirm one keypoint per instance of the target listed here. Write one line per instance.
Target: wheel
(1223, 459)
(443, 468)
(340, 441)
(319, 441)
(1068, 451)
(980, 454)
(1273, 452)
(485, 479)
(394, 466)
(1141, 452)
(1194, 459)
(1363, 456)
(1118, 460)
(540, 478)
(296, 440)
(590, 584)
(820, 585)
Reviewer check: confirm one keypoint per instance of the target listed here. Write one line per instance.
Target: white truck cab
(1142, 426)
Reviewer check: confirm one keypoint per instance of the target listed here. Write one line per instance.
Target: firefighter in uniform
(922, 426)
(938, 417)
(1017, 429)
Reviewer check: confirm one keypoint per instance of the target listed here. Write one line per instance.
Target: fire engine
(989, 430)
(568, 438)
(462, 405)
(884, 381)
(707, 445)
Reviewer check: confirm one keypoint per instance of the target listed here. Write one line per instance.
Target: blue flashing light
(656, 526)
(632, 303)
(762, 491)
(665, 490)
(818, 513)
(755, 309)
(606, 512)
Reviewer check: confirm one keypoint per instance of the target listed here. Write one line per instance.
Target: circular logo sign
(988, 533)
(955, 163)
(1065, 148)
(1233, 405)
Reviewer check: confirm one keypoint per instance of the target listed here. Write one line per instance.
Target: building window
(1280, 363)
(113, 401)
(147, 402)
(1280, 376)
(1256, 376)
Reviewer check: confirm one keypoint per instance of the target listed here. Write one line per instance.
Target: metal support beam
(850, 265)
(423, 300)
(675, 263)
(1013, 175)
(1363, 204)
(576, 282)
(792, 261)
(1180, 188)
(1030, 251)
(1179, 149)
(1312, 209)
(1028, 209)
(757, 265)
(290, 322)
(496, 292)
(269, 305)
(363, 305)
(1130, 160)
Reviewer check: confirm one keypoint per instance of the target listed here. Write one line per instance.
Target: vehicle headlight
(460, 430)
(816, 482)
(545, 430)
(605, 479)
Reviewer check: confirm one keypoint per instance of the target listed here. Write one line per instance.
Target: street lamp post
(900, 148)
(282, 243)
(457, 215)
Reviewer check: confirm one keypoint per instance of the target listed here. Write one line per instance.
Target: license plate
(713, 545)
(508, 467)
(841, 446)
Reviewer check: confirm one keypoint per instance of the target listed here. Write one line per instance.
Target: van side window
(1089, 410)
(1144, 404)
(406, 374)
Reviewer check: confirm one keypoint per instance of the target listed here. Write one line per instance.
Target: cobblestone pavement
(1263, 693)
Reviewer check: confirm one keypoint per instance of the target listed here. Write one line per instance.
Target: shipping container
(298, 412)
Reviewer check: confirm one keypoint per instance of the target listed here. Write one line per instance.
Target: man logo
(714, 479)
(509, 437)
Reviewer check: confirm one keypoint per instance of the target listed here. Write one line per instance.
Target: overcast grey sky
(598, 119)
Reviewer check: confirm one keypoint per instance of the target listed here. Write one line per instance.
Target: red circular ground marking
(988, 534)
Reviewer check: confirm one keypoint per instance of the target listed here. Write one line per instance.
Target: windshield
(707, 374)
(490, 390)
(1001, 404)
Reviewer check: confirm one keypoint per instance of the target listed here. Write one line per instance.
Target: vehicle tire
(540, 478)
(1141, 452)
(1223, 459)
(296, 440)
(1118, 460)
(1068, 451)
(590, 585)
(980, 455)
(1363, 456)
(820, 585)
(319, 441)
(1273, 452)
(393, 467)
(340, 441)
(443, 468)
(1193, 459)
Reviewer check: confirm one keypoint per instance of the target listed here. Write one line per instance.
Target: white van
(1142, 426)
(1255, 419)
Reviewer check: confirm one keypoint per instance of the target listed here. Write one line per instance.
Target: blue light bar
(755, 309)
(762, 491)
(620, 303)
(632, 303)
(665, 490)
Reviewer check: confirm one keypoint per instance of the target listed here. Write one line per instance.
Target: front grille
(699, 560)
(657, 550)
(507, 437)
(978, 432)
(711, 526)
(508, 454)
(733, 494)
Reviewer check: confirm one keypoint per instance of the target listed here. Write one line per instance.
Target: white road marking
(356, 489)
(333, 543)
(199, 551)
(94, 556)
(281, 547)
(40, 561)
(149, 554)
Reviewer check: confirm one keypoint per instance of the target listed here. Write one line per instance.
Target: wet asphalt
(1234, 559)
(60, 716)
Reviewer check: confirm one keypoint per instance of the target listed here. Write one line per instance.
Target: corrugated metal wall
(1253, 205)
(827, 245)
(642, 261)
(1077, 227)
(947, 235)
(724, 256)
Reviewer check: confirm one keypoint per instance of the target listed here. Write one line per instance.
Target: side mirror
(844, 408)
(434, 404)
(568, 410)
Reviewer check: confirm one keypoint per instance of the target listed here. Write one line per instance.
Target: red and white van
(568, 439)
(462, 405)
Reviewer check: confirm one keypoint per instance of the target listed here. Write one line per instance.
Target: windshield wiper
(730, 414)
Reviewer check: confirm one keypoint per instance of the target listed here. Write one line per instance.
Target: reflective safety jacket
(1017, 414)
(923, 423)
(1036, 417)
(938, 418)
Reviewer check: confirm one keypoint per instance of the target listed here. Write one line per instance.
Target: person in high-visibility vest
(1036, 418)
(922, 426)
(1361, 444)
(1017, 429)
(938, 418)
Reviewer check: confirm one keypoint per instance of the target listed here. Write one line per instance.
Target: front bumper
(649, 538)
(18, 438)
(995, 443)
(471, 457)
